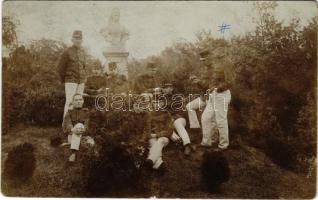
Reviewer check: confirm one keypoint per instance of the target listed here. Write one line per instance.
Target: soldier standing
(72, 69)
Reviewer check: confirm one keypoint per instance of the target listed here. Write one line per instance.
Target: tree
(9, 35)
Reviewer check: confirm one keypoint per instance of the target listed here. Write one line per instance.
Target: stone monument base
(120, 58)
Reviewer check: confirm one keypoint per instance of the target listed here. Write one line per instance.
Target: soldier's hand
(196, 80)
(192, 77)
(220, 89)
(100, 90)
(174, 137)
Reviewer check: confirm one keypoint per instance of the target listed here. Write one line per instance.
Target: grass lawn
(253, 174)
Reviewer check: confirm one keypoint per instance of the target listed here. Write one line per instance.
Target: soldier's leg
(80, 88)
(69, 138)
(75, 141)
(75, 144)
(179, 125)
(222, 101)
(155, 152)
(208, 123)
(70, 90)
(152, 142)
(89, 141)
(191, 107)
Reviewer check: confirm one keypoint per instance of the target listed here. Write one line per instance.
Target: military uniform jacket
(222, 76)
(158, 123)
(94, 83)
(74, 116)
(72, 65)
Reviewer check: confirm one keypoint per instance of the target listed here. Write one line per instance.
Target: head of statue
(115, 15)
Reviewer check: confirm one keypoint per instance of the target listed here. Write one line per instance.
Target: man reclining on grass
(158, 131)
(75, 125)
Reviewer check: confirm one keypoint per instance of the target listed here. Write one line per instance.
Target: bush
(281, 153)
(20, 164)
(34, 93)
(113, 170)
(214, 171)
(56, 141)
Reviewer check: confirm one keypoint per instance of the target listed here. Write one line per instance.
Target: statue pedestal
(121, 60)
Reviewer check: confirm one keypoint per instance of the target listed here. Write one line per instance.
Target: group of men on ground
(163, 123)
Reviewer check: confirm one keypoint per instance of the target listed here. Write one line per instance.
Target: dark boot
(161, 170)
(148, 164)
(187, 149)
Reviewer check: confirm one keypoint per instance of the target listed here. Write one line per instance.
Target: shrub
(214, 171)
(20, 164)
(281, 153)
(114, 169)
(56, 141)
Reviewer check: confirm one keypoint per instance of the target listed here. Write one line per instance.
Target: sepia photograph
(159, 99)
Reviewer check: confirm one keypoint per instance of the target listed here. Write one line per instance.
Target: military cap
(77, 34)
(204, 54)
(148, 91)
(151, 65)
(165, 85)
(219, 52)
(157, 91)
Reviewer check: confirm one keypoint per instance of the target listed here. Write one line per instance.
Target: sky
(152, 25)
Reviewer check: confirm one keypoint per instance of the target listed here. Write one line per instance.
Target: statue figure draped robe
(116, 37)
(114, 33)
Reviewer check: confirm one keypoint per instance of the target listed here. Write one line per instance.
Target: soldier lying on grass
(158, 129)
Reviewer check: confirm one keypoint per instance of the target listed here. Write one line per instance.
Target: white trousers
(179, 124)
(155, 152)
(214, 119)
(75, 140)
(191, 107)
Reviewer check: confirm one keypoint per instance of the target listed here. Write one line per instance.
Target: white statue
(115, 34)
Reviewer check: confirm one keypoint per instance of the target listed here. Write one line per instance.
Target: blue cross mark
(223, 27)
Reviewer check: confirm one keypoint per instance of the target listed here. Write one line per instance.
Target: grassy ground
(253, 175)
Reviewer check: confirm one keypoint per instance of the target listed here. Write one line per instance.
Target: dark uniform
(143, 82)
(158, 130)
(205, 80)
(158, 123)
(72, 66)
(74, 116)
(222, 77)
(95, 83)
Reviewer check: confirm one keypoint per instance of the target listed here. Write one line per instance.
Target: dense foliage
(273, 91)
(20, 164)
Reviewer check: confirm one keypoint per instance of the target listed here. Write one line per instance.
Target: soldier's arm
(63, 65)
(169, 130)
(223, 86)
(89, 89)
(87, 119)
(147, 127)
(203, 84)
(225, 83)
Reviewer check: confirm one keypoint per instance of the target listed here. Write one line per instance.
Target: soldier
(115, 81)
(203, 85)
(72, 69)
(158, 130)
(214, 116)
(179, 117)
(149, 80)
(75, 126)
